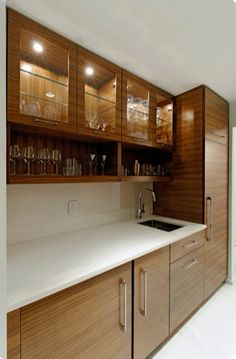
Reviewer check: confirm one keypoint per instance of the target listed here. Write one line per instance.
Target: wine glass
(44, 157)
(91, 163)
(28, 157)
(103, 163)
(56, 159)
(14, 156)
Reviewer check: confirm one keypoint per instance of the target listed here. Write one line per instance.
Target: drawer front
(186, 287)
(187, 245)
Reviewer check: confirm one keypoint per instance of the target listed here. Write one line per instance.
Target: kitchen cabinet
(199, 190)
(98, 96)
(91, 319)
(41, 76)
(186, 286)
(13, 335)
(151, 301)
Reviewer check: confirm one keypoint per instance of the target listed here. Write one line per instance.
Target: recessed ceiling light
(50, 94)
(89, 71)
(37, 47)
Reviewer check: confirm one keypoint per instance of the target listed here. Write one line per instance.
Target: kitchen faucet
(140, 206)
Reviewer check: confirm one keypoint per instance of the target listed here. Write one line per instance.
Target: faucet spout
(140, 207)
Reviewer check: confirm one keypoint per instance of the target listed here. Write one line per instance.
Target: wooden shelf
(34, 179)
(146, 178)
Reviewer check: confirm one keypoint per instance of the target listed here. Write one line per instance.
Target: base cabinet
(13, 335)
(151, 302)
(90, 320)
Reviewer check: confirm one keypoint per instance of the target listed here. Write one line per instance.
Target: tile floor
(211, 332)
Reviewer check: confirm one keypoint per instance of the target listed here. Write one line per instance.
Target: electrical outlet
(72, 207)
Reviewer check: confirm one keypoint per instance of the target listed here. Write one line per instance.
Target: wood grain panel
(187, 245)
(183, 197)
(186, 287)
(216, 187)
(13, 335)
(216, 117)
(81, 322)
(152, 329)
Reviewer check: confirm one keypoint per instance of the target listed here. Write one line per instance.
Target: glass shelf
(43, 99)
(44, 78)
(100, 98)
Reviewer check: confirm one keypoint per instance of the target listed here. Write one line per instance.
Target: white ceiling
(175, 44)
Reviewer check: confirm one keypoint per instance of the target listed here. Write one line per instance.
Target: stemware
(14, 156)
(44, 157)
(91, 163)
(56, 159)
(28, 157)
(103, 161)
(92, 119)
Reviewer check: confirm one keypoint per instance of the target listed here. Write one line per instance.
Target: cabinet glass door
(44, 78)
(99, 107)
(164, 121)
(137, 110)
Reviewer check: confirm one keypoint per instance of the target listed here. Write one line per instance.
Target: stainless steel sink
(163, 226)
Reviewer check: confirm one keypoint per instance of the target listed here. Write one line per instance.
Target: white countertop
(42, 267)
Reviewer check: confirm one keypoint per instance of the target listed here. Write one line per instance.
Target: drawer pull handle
(123, 313)
(190, 264)
(48, 122)
(209, 218)
(190, 244)
(143, 292)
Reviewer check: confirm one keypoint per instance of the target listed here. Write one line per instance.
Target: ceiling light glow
(26, 67)
(37, 47)
(50, 94)
(89, 71)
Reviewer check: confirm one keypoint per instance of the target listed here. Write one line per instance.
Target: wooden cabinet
(98, 96)
(199, 190)
(41, 76)
(92, 319)
(151, 302)
(13, 335)
(186, 286)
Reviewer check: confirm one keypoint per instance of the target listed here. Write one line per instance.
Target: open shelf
(146, 178)
(37, 179)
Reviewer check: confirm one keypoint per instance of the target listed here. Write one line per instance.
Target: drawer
(187, 245)
(186, 287)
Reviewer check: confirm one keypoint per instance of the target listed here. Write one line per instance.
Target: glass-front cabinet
(41, 76)
(136, 117)
(163, 120)
(98, 96)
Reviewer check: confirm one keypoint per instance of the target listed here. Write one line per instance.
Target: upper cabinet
(147, 113)
(98, 96)
(41, 76)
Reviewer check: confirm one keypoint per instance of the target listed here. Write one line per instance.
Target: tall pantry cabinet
(199, 190)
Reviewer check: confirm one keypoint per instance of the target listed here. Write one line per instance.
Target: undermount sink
(163, 226)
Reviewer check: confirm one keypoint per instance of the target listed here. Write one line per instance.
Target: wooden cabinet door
(98, 96)
(41, 76)
(13, 335)
(186, 287)
(216, 117)
(90, 320)
(151, 302)
(216, 192)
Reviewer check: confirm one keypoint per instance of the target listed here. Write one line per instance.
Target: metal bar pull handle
(48, 122)
(209, 218)
(190, 244)
(123, 305)
(143, 292)
(190, 264)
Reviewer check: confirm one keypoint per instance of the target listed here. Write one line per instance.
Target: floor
(211, 332)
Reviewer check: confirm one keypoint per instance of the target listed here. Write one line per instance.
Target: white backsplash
(37, 211)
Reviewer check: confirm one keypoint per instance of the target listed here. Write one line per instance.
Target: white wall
(2, 179)
(232, 194)
(36, 211)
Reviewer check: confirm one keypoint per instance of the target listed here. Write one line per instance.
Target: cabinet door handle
(209, 218)
(217, 134)
(48, 122)
(190, 264)
(190, 244)
(123, 298)
(143, 292)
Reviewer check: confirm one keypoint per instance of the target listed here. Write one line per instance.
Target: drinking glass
(92, 119)
(56, 160)
(14, 156)
(103, 161)
(91, 163)
(28, 157)
(44, 157)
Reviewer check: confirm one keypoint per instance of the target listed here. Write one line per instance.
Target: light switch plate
(72, 207)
